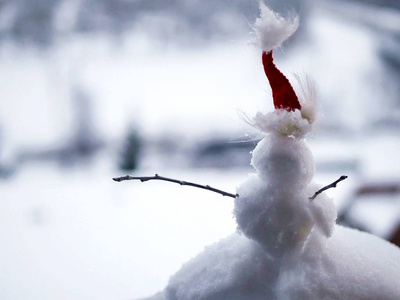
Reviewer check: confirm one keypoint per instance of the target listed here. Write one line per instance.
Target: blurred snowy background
(93, 89)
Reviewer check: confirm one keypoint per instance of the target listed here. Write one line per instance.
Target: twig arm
(209, 188)
(332, 185)
(181, 182)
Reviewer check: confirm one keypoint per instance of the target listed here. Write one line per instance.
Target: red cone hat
(282, 91)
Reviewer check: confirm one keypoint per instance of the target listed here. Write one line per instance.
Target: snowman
(287, 246)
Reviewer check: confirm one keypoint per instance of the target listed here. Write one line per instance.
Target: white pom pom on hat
(272, 29)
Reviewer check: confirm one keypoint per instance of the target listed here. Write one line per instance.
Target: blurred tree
(130, 151)
(7, 168)
(35, 21)
(382, 3)
(85, 140)
(32, 21)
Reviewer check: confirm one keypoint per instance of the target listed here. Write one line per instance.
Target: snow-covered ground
(76, 234)
(79, 235)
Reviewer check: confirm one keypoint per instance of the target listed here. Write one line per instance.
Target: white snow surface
(77, 234)
(354, 265)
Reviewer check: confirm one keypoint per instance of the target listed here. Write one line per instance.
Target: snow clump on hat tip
(272, 29)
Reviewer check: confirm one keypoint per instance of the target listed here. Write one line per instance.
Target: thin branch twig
(209, 188)
(181, 182)
(332, 185)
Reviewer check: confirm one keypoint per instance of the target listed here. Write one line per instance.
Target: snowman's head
(285, 162)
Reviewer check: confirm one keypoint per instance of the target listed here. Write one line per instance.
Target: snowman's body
(287, 246)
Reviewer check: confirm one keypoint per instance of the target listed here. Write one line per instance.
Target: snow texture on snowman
(287, 247)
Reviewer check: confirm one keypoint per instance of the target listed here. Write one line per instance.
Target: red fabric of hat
(282, 91)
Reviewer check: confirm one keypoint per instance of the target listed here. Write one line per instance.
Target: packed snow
(287, 245)
(350, 265)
